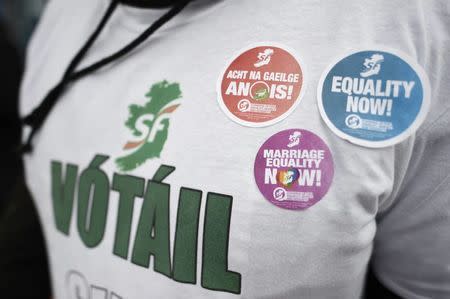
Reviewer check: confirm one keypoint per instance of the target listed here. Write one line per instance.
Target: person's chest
(181, 176)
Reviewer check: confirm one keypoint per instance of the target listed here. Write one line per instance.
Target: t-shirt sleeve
(412, 246)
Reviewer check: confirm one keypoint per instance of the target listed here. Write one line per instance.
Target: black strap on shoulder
(36, 119)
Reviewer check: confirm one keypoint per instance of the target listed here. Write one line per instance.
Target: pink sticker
(294, 169)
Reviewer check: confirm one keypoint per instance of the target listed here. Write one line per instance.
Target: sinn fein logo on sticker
(264, 57)
(372, 65)
(294, 169)
(261, 85)
(149, 125)
(374, 98)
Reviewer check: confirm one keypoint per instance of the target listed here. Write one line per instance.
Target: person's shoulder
(63, 27)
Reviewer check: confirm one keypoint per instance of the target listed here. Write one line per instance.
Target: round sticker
(294, 169)
(374, 98)
(261, 86)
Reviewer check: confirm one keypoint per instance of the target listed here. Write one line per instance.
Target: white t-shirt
(186, 219)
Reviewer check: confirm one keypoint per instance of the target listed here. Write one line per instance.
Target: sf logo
(77, 287)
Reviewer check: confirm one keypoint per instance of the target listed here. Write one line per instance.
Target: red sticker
(262, 85)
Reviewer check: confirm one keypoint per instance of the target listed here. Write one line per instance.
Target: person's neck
(149, 3)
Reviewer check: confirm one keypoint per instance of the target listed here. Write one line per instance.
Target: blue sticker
(374, 98)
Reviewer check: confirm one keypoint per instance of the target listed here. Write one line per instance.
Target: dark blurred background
(23, 262)
(18, 19)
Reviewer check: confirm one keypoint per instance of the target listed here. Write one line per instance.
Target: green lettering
(186, 236)
(215, 274)
(93, 198)
(153, 234)
(128, 187)
(62, 195)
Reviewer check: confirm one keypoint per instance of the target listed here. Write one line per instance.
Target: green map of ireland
(149, 125)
